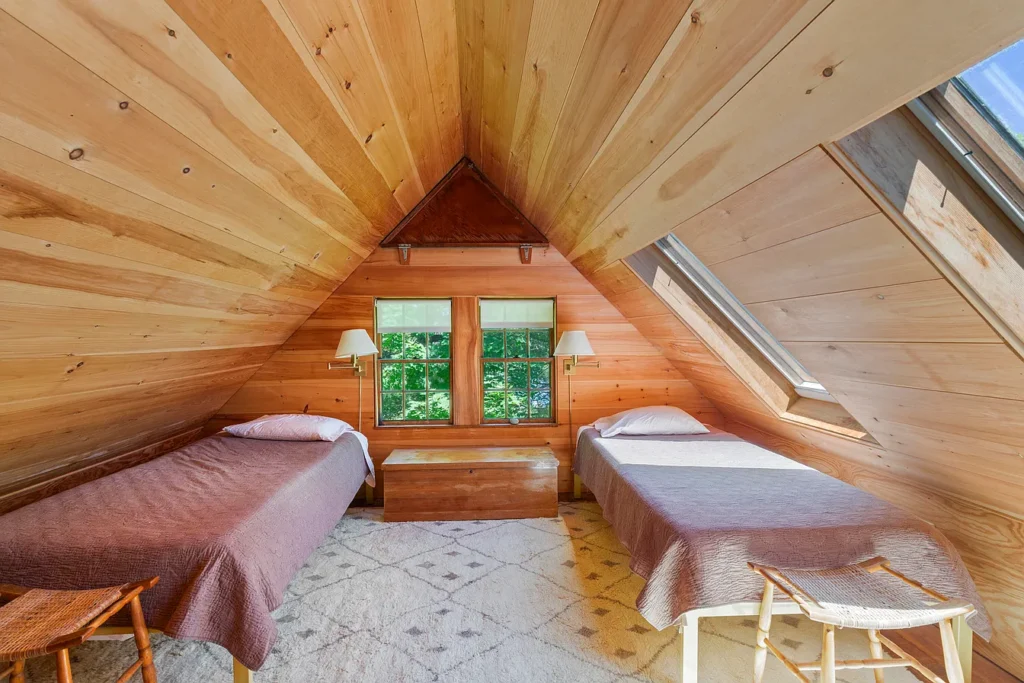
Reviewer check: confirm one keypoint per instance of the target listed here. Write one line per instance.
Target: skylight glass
(996, 89)
(726, 302)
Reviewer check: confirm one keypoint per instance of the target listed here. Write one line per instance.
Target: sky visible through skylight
(999, 83)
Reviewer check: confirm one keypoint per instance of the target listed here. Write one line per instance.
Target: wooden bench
(432, 484)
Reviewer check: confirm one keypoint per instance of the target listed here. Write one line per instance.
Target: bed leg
(369, 494)
(243, 674)
(688, 664)
(577, 486)
(963, 637)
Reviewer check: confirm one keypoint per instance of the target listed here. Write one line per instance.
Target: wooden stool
(40, 622)
(871, 596)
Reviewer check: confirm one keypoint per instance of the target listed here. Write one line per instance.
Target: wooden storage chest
(430, 484)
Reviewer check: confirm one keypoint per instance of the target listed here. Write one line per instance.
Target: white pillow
(650, 420)
(291, 428)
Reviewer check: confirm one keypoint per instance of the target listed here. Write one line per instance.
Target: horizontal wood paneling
(922, 311)
(181, 185)
(853, 62)
(803, 197)
(900, 348)
(633, 372)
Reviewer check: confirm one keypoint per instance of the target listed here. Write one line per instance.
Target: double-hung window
(415, 369)
(517, 365)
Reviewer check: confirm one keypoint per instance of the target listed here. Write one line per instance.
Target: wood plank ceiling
(182, 182)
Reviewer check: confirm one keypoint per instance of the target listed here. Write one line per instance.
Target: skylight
(978, 117)
(996, 89)
(706, 281)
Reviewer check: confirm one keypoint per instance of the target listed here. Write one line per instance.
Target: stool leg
(954, 672)
(828, 654)
(876, 653)
(764, 622)
(63, 666)
(142, 641)
(18, 674)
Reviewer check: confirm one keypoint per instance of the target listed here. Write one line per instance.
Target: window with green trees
(517, 365)
(414, 338)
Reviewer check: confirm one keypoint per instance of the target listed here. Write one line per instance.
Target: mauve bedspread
(693, 510)
(224, 522)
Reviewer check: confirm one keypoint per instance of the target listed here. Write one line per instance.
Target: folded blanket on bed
(693, 510)
(224, 522)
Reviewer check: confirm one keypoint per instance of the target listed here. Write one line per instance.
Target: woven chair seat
(855, 598)
(33, 621)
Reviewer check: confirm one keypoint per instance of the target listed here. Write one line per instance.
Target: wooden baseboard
(30, 492)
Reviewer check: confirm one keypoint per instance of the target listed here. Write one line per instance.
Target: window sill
(827, 417)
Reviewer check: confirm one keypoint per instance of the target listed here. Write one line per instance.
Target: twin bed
(693, 510)
(226, 522)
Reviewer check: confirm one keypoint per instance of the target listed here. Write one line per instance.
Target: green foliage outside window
(517, 374)
(415, 377)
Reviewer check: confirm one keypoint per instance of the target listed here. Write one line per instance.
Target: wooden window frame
(380, 362)
(553, 382)
(529, 361)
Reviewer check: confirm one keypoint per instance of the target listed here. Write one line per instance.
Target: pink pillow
(291, 428)
(650, 420)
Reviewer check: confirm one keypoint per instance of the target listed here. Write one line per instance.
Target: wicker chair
(871, 596)
(40, 622)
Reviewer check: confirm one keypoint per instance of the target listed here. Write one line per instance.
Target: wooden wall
(845, 290)
(633, 372)
(181, 185)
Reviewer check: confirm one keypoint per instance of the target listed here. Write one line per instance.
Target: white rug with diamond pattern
(537, 600)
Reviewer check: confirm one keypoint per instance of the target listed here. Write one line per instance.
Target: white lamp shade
(574, 343)
(355, 343)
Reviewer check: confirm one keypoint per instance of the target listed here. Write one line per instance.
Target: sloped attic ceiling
(184, 181)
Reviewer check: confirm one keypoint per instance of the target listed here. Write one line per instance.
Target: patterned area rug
(537, 600)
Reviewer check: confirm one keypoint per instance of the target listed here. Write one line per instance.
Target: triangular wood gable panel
(464, 210)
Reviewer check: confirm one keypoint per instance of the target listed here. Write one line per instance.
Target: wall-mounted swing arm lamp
(353, 344)
(574, 343)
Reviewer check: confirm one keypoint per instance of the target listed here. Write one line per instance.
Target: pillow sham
(291, 428)
(650, 420)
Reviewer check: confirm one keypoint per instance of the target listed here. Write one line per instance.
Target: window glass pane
(540, 375)
(440, 346)
(515, 342)
(391, 376)
(439, 405)
(391, 406)
(517, 375)
(439, 376)
(540, 343)
(494, 405)
(494, 375)
(517, 405)
(540, 404)
(415, 405)
(391, 345)
(996, 87)
(415, 376)
(416, 345)
(494, 343)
